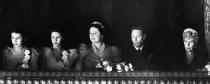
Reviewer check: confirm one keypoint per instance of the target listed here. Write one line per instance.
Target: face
(189, 44)
(137, 38)
(16, 39)
(95, 35)
(56, 38)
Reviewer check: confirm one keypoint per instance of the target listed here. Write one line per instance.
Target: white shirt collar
(136, 48)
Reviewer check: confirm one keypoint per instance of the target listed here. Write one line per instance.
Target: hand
(72, 52)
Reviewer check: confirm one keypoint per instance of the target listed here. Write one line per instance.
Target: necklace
(99, 51)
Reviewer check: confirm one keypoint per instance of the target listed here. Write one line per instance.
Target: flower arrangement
(65, 56)
(105, 65)
(207, 67)
(119, 67)
(26, 59)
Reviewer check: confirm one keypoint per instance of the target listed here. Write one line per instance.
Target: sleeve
(116, 54)
(83, 52)
(73, 57)
(34, 59)
(5, 53)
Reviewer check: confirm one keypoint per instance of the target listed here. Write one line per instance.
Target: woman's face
(56, 38)
(189, 44)
(16, 39)
(95, 35)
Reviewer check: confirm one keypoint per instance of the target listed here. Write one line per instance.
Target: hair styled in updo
(22, 32)
(191, 33)
(99, 26)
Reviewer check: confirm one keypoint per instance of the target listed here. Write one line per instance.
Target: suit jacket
(141, 61)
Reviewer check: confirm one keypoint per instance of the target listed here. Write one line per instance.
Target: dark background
(163, 19)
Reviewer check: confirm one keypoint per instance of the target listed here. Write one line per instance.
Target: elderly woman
(19, 57)
(55, 57)
(193, 59)
(97, 51)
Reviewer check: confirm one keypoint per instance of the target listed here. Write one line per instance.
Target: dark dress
(51, 60)
(13, 61)
(89, 60)
(179, 62)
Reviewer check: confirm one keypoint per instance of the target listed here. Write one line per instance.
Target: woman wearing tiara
(55, 57)
(19, 57)
(193, 57)
(97, 51)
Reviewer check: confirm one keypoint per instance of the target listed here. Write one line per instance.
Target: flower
(27, 56)
(130, 67)
(65, 56)
(27, 52)
(120, 67)
(105, 63)
(98, 65)
(207, 67)
(108, 68)
(65, 53)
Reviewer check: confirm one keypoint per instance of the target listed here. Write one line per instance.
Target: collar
(139, 48)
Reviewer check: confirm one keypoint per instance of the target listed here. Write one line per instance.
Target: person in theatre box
(97, 50)
(19, 57)
(55, 57)
(194, 58)
(137, 53)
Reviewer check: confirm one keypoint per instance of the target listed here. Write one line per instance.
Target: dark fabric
(141, 60)
(179, 61)
(89, 59)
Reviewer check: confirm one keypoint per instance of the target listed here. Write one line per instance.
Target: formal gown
(52, 60)
(198, 60)
(13, 61)
(90, 59)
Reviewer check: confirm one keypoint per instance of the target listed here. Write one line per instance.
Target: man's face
(137, 38)
(16, 39)
(95, 35)
(56, 38)
(189, 44)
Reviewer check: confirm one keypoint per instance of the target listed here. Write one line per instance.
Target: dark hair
(61, 34)
(21, 32)
(54, 30)
(99, 26)
(138, 28)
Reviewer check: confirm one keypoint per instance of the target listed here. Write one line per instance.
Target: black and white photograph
(104, 41)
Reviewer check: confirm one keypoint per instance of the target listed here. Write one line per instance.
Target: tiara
(190, 30)
(98, 23)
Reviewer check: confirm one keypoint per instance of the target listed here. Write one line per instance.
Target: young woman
(55, 57)
(18, 56)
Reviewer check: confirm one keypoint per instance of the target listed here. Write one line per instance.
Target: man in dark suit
(137, 53)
